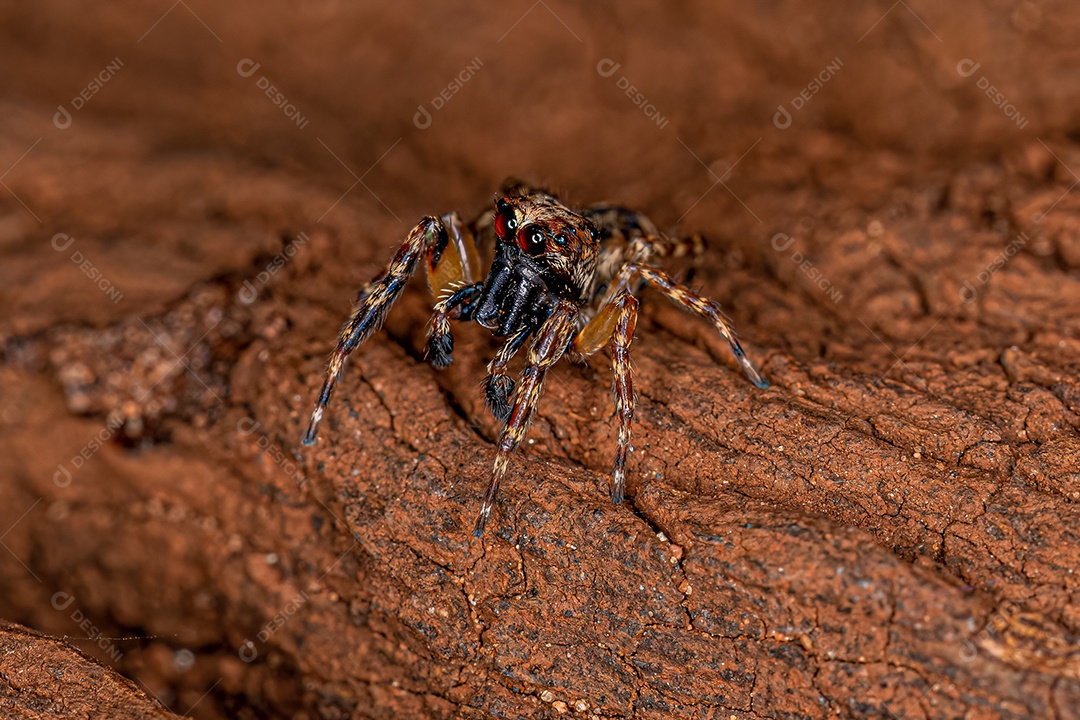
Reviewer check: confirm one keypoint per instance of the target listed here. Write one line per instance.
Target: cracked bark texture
(45, 678)
(891, 530)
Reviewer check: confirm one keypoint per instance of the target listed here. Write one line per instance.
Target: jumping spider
(567, 279)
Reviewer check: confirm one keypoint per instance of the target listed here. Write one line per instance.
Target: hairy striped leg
(616, 322)
(692, 246)
(687, 299)
(448, 262)
(552, 340)
(630, 237)
(451, 264)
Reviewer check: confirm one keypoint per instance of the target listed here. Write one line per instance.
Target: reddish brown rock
(890, 530)
(44, 678)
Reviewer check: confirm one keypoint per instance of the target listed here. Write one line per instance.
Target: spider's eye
(505, 222)
(561, 240)
(531, 240)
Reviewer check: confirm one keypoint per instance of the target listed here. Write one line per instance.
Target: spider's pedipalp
(497, 392)
(498, 386)
(458, 305)
(549, 345)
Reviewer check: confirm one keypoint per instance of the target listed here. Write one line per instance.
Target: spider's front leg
(451, 257)
(616, 322)
(550, 344)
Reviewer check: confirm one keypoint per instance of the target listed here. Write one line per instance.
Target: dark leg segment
(440, 345)
(551, 342)
(369, 314)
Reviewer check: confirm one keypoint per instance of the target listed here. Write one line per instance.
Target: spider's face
(559, 245)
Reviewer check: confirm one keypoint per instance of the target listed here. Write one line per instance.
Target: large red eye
(531, 240)
(505, 222)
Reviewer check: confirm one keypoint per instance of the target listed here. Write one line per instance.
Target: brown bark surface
(891, 530)
(43, 678)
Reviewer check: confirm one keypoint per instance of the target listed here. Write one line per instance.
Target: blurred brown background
(904, 147)
(714, 76)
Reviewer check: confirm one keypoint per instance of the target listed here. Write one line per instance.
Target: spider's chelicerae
(559, 280)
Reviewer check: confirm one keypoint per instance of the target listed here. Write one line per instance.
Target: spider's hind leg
(619, 222)
(615, 221)
(687, 299)
(631, 237)
(688, 246)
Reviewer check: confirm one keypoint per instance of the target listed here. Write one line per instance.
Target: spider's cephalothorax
(566, 280)
(543, 254)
